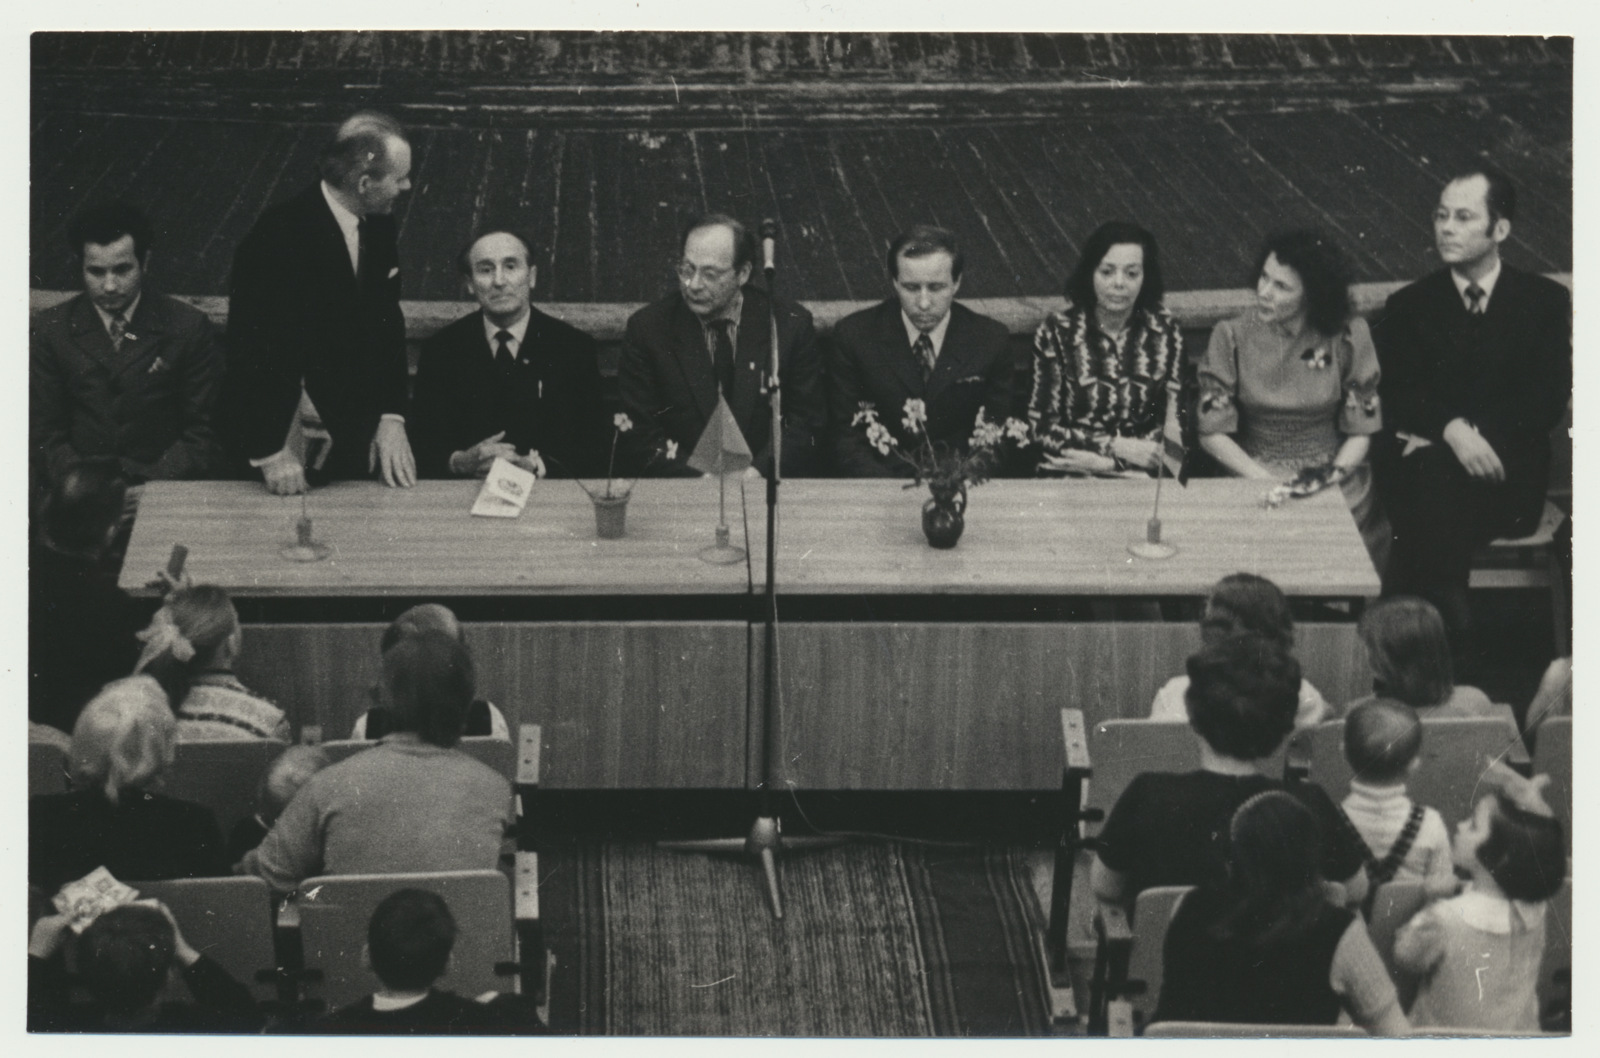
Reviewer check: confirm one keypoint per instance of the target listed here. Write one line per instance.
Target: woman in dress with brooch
(1292, 385)
(1104, 365)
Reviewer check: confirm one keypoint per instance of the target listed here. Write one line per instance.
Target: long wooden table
(901, 667)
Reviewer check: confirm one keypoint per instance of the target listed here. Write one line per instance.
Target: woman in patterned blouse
(1105, 368)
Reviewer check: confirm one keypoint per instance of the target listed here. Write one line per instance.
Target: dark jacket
(870, 360)
(439, 1014)
(145, 837)
(669, 388)
(1509, 372)
(220, 1004)
(149, 405)
(296, 311)
(549, 399)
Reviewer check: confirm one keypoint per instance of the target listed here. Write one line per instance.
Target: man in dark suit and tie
(1477, 370)
(919, 344)
(507, 380)
(315, 301)
(714, 334)
(121, 371)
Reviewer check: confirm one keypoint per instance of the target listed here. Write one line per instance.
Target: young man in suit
(1477, 370)
(918, 344)
(315, 301)
(713, 335)
(120, 371)
(508, 380)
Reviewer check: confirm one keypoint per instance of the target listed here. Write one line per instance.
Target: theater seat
(228, 919)
(222, 775)
(1552, 756)
(1530, 561)
(1228, 1030)
(496, 753)
(1128, 961)
(47, 769)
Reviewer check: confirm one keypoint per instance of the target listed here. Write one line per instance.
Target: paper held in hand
(505, 491)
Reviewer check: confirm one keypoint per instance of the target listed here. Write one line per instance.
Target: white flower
(879, 437)
(865, 413)
(621, 421)
(916, 415)
(1018, 431)
(672, 450)
(985, 434)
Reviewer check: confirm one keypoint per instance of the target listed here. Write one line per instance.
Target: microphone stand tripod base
(766, 843)
(722, 553)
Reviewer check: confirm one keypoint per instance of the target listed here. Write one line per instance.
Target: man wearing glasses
(712, 335)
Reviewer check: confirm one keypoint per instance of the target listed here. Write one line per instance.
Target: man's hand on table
(390, 455)
(284, 475)
(476, 461)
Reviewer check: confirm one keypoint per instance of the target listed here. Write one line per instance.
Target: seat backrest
(334, 910)
(1555, 972)
(1455, 752)
(47, 769)
(1552, 756)
(1120, 750)
(223, 775)
(228, 919)
(1228, 1030)
(1152, 914)
(496, 753)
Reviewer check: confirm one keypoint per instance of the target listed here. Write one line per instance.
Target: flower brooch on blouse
(1318, 357)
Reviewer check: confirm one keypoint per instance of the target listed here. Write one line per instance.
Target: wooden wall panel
(623, 705)
(974, 706)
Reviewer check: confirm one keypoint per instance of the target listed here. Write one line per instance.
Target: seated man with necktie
(713, 335)
(508, 380)
(1477, 370)
(920, 343)
(120, 371)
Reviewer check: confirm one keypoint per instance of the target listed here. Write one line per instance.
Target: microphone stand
(765, 840)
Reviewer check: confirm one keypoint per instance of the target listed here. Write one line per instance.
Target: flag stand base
(722, 553)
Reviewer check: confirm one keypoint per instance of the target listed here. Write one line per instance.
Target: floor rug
(877, 940)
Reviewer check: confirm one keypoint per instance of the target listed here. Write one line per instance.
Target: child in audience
(483, 718)
(1172, 829)
(283, 780)
(1478, 954)
(1264, 946)
(123, 959)
(190, 647)
(409, 939)
(1408, 841)
(1410, 658)
(1243, 603)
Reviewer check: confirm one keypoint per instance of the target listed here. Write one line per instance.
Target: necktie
(722, 357)
(502, 349)
(118, 331)
(923, 348)
(1475, 297)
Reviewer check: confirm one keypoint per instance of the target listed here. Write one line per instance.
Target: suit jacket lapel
(754, 347)
(143, 339)
(90, 336)
(953, 355)
(336, 253)
(897, 349)
(689, 350)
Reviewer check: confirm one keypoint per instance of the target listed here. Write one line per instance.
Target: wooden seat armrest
(1075, 742)
(528, 752)
(525, 889)
(1111, 925)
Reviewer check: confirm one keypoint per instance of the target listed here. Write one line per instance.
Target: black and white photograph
(839, 528)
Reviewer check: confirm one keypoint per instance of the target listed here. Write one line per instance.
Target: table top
(1060, 537)
(836, 538)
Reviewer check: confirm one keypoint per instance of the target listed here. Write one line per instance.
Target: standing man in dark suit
(508, 380)
(315, 301)
(918, 344)
(120, 371)
(713, 333)
(1477, 370)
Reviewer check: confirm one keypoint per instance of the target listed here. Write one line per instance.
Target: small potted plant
(611, 503)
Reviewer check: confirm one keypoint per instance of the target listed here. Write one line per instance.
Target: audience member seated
(1478, 954)
(411, 803)
(121, 749)
(483, 719)
(123, 960)
(1264, 946)
(1105, 368)
(81, 626)
(1408, 841)
(293, 769)
(1170, 829)
(1409, 652)
(1292, 385)
(409, 939)
(1242, 603)
(190, 647)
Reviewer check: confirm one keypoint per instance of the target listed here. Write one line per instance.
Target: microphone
(769, 245)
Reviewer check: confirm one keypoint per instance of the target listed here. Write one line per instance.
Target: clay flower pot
(610, 517)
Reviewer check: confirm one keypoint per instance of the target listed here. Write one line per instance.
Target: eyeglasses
(708, 275)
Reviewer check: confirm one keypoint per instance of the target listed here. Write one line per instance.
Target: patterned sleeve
(1163, 345)
(1218, 411)
(1358, 373)
(1055, 379)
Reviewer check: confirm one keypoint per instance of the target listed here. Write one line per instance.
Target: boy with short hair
(1407, 841)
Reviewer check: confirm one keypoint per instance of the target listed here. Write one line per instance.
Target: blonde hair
(124, 737)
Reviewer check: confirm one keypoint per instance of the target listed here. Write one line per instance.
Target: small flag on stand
(721, 448)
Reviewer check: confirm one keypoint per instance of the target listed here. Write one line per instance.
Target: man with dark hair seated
(413, 802)
(483, 719)
(1173, 829)
(123, 960)
(81, 626)
(409, 940)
